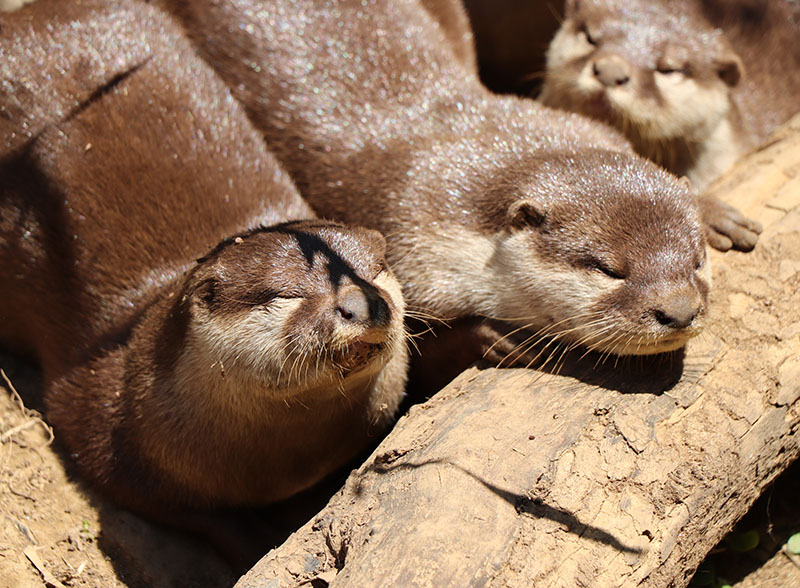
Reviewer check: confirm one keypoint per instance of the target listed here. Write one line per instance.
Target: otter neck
(442, 262)
(717, 153)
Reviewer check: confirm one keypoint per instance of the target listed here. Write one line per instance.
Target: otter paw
(726, 227)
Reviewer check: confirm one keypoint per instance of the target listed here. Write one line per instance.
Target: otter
(674, 81)
(451, 16)
(491, 206)
(202, 345)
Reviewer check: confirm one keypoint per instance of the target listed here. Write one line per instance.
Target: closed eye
(589, 39)
(598, 265)
(672, 70)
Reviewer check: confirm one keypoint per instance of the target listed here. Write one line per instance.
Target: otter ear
(202, 296)
(526, 213)
(571, 7)
(685, 182)
(729, 68)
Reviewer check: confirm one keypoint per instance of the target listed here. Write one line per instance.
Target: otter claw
(726, 227)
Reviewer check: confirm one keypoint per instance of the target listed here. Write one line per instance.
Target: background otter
(492, 206)
(692, 83)
(175, 383)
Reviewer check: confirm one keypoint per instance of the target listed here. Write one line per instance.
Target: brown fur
(766, 36)
(241, 377)
(491, 206)
(451, 17)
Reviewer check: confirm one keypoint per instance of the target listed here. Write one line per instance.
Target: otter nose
(678, 312)
(611, 70)
(362, 305)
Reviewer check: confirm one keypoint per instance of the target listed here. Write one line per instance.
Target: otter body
(491, 206)
(197, 349)
(671, 76)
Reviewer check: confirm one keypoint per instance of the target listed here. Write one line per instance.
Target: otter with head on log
(492, 206)
(201, 346)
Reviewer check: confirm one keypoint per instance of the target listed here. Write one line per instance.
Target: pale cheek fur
(566, 46)
(252, 347)
(693, 110)
(543, 292)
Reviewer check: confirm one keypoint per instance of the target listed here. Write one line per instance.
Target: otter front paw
(726, 227)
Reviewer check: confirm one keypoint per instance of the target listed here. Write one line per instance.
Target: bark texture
(604, 475)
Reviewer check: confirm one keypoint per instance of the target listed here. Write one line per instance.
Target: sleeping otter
(198, 350)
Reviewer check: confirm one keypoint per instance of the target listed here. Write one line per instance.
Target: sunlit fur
(401, 138)
(542, 286)
(269, 370)
(198, 349)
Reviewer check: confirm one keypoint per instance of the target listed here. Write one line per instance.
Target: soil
(80, 539)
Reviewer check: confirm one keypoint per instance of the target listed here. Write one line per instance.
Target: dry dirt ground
(54, 532)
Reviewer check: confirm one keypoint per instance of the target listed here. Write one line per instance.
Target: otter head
(604, 250)
(302, 306)
(655, 71)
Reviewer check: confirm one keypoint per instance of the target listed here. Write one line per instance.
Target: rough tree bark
(604, 475)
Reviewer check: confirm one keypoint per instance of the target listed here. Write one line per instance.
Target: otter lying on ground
(195, 353)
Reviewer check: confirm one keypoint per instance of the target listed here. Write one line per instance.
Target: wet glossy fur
(491, 206)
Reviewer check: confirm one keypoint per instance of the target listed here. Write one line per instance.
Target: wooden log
(615, 473)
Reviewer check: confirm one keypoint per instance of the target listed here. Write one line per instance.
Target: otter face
(617, 264)
(296, 307)
(655, 74)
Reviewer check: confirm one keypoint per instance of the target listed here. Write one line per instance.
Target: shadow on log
(519, 478)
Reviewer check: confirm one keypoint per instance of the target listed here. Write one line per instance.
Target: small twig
(17, 492)
(14, 430)
(49, 579)
(792, 557)
(34, 417)
(14, 394)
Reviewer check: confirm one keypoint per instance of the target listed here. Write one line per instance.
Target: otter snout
(364, 306)
(679, 311)
(611, 70)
